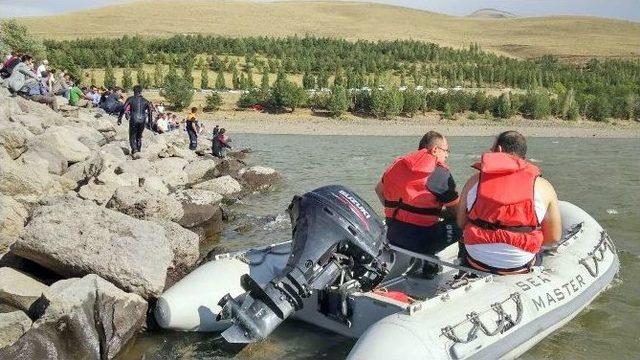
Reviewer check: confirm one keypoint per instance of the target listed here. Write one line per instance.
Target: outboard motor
(337, 248)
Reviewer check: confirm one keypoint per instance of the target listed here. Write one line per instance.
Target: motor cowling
(338, 242)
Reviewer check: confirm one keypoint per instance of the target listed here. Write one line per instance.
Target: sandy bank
(303, 123)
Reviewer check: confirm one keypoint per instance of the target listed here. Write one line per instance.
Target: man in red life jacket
(507, 211)
(414, 191)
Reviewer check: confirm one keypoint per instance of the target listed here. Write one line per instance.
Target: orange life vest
(504, 209)
(407, 197)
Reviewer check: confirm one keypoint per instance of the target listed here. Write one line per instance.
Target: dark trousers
(193, 139)
(423, 240)
(135, 136)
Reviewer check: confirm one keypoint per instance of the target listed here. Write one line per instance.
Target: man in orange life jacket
(414, 190)
(507, 211)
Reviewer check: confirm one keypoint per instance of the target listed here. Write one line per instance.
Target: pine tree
(338, 103)
(158, 76)
(220, 83)
(127, 81)
(567, 103)
(93, 78)
(141, 77)
(264, 82)
(502, 108)
(204, 78)
(235, 78)
(338, 80)
(109, 78)
(308, 81)
(250, 83)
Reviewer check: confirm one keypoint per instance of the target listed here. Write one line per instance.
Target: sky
(619, 9)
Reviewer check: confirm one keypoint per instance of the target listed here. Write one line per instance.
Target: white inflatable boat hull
(488, 318)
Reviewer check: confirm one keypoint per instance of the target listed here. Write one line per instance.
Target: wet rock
(14, 139)
(259, 178)
(229, 167)
(18, 289)
(226, 186)
(75, 238)
(12, 218)
(141, 204)
(87, 318)
(12, 326)
(171, 171)
(239, 154)
(202, 170)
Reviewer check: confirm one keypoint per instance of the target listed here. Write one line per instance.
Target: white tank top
(503, 256)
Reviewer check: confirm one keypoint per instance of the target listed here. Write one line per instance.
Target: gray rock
(200, 170)
(226, 186)
(18, 289)
(155, 184)
(59, 147)
(259, 178)
(14, 139)
(185, 246)
(171, 171)
(198, 197)
(141, 204)
(231, 167)
(12, 326)
(87, 318)
(83, 171)
(177, 151)
(12, 218)
(30, 122)
(18, 180)
(75, 238)
(98, 193)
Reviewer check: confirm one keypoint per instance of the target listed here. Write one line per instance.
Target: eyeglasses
(443, 149)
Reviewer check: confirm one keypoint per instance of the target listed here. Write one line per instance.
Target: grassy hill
(572, 38)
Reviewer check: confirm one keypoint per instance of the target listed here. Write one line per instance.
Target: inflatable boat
(338, 273)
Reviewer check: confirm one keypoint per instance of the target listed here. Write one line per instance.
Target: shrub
(212, 102)
(319, 101)
(251, 98)
(386, 103)
(413, 102)
(109, 78)
(448, 111)
(502, 106)
(177, 91)
(361, 101)
(204, 79)
(127, 81)
(338, 103)
(220, 83)
(16, 37)
(599, 109)
(286, 94)
(536, 105)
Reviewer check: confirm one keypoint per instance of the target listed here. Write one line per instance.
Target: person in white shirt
(42, 68)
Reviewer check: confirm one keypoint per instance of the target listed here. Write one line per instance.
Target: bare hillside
(569, 37)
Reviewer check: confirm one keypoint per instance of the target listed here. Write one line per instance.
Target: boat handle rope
(504, 322)
(597, 254)
(267, 251)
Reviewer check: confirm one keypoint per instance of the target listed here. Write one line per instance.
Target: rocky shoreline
(90, 237)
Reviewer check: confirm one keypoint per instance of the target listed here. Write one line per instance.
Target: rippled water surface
(601, 176)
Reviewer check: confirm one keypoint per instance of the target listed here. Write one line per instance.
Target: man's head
(27, 59)
(137, 90)
(194, 110)
(436, 144)
(511, 142)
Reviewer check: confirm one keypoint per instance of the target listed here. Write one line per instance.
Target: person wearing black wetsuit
(139, 109)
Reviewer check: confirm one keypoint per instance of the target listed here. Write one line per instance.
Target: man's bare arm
(552, 222)
(461, 216)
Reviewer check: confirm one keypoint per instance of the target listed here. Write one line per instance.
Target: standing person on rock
(193, 129)
(139, 110)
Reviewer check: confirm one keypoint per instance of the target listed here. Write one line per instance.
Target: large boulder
(87, 318)
(27, 182)
(202, 170)
(30, 122)
(185, 246)
(75, 238)
(141, 204)
(177, 151)
(12, 326)
(83, 171)
(98, 193)
(60, 147)
(14, 139)
(226, 186)
(12, 218)
(231, 167)
(171, 171)
(202, 212)
(259, 178)
(18, 289)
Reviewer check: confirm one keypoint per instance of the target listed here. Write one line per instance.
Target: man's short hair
(137, 90)
(430, 140)
(25, 58)
(512, 142)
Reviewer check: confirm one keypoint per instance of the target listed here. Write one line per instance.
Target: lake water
(601, 176)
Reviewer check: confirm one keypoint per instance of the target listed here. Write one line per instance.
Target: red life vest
(504, 210)
(405, 191)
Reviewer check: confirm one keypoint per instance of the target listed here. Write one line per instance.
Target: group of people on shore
(44, 84)
(501, 219)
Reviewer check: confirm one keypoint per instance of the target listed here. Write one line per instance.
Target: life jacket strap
(399, 205)
(493, 226)
(478, 265)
